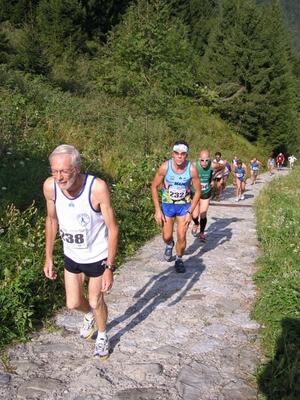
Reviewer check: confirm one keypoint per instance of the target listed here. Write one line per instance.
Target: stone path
(174, 336)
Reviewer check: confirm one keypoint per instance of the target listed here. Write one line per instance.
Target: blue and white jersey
(176, 188)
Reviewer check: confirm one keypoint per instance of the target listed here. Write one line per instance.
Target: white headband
(181, 147)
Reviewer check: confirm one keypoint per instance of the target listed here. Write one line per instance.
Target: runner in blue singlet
(240, 173)
(176, 176)
(255, 165)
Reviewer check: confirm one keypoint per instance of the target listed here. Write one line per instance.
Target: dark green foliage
(102, 15)
(291, 13)
(61, 27)
(4, 47)
(31, 56)
(147, 51)
(247, 64)
(200, 16)
(16, 11)
(276, 123)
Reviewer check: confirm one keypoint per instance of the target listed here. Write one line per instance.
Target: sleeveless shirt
(240, 172)
(81, 227)
(205, 175)
(176, 187)
(221, 174)
(255, 166)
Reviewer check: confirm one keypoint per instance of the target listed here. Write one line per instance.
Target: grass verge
(277, 307)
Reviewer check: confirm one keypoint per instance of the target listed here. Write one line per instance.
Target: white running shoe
(237, 199)
(87, 329)
(242, 197)
(102, 349)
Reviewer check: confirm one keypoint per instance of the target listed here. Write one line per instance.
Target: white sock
(90, 315)
(101, 336)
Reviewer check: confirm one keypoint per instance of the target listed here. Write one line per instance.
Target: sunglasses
(204, 159)
(180, 154)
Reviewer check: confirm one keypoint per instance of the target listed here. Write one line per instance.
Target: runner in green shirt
(206, 169)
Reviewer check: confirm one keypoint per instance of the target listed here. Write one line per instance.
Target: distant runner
(217, 180)
(255, 165)
(240, 173)
(280, 161)
(292, 160)
(271, 165)
(226, 173)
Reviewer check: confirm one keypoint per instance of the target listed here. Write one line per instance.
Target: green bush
(26, 296)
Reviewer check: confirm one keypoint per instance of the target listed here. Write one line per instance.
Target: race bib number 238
(74, 238)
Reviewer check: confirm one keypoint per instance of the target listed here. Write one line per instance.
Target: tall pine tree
(275, 109)
(4, 47)
(199, 16)
(247, 66)
(61, 26)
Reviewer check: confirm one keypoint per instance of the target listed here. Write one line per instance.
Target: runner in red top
(280, 161)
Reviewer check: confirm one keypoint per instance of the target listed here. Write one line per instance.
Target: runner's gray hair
(68, 149)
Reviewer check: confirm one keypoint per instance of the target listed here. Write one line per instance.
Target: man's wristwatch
(190, 212)
(112, 268)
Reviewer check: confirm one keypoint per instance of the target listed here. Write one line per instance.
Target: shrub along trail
(174, 336)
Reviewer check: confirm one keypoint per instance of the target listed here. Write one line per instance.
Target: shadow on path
(158, 290)
(217, 234)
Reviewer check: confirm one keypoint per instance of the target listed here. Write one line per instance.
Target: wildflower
(4, 188)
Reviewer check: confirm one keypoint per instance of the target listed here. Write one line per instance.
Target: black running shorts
(92, 270)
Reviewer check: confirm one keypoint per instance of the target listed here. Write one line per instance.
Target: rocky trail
(174, 336)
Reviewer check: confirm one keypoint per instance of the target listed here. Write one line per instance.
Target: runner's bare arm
(219, 168)
(101, 200)
(51, 228)
(157, 181)
(197, 187)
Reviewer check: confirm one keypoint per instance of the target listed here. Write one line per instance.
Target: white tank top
(82, 228)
